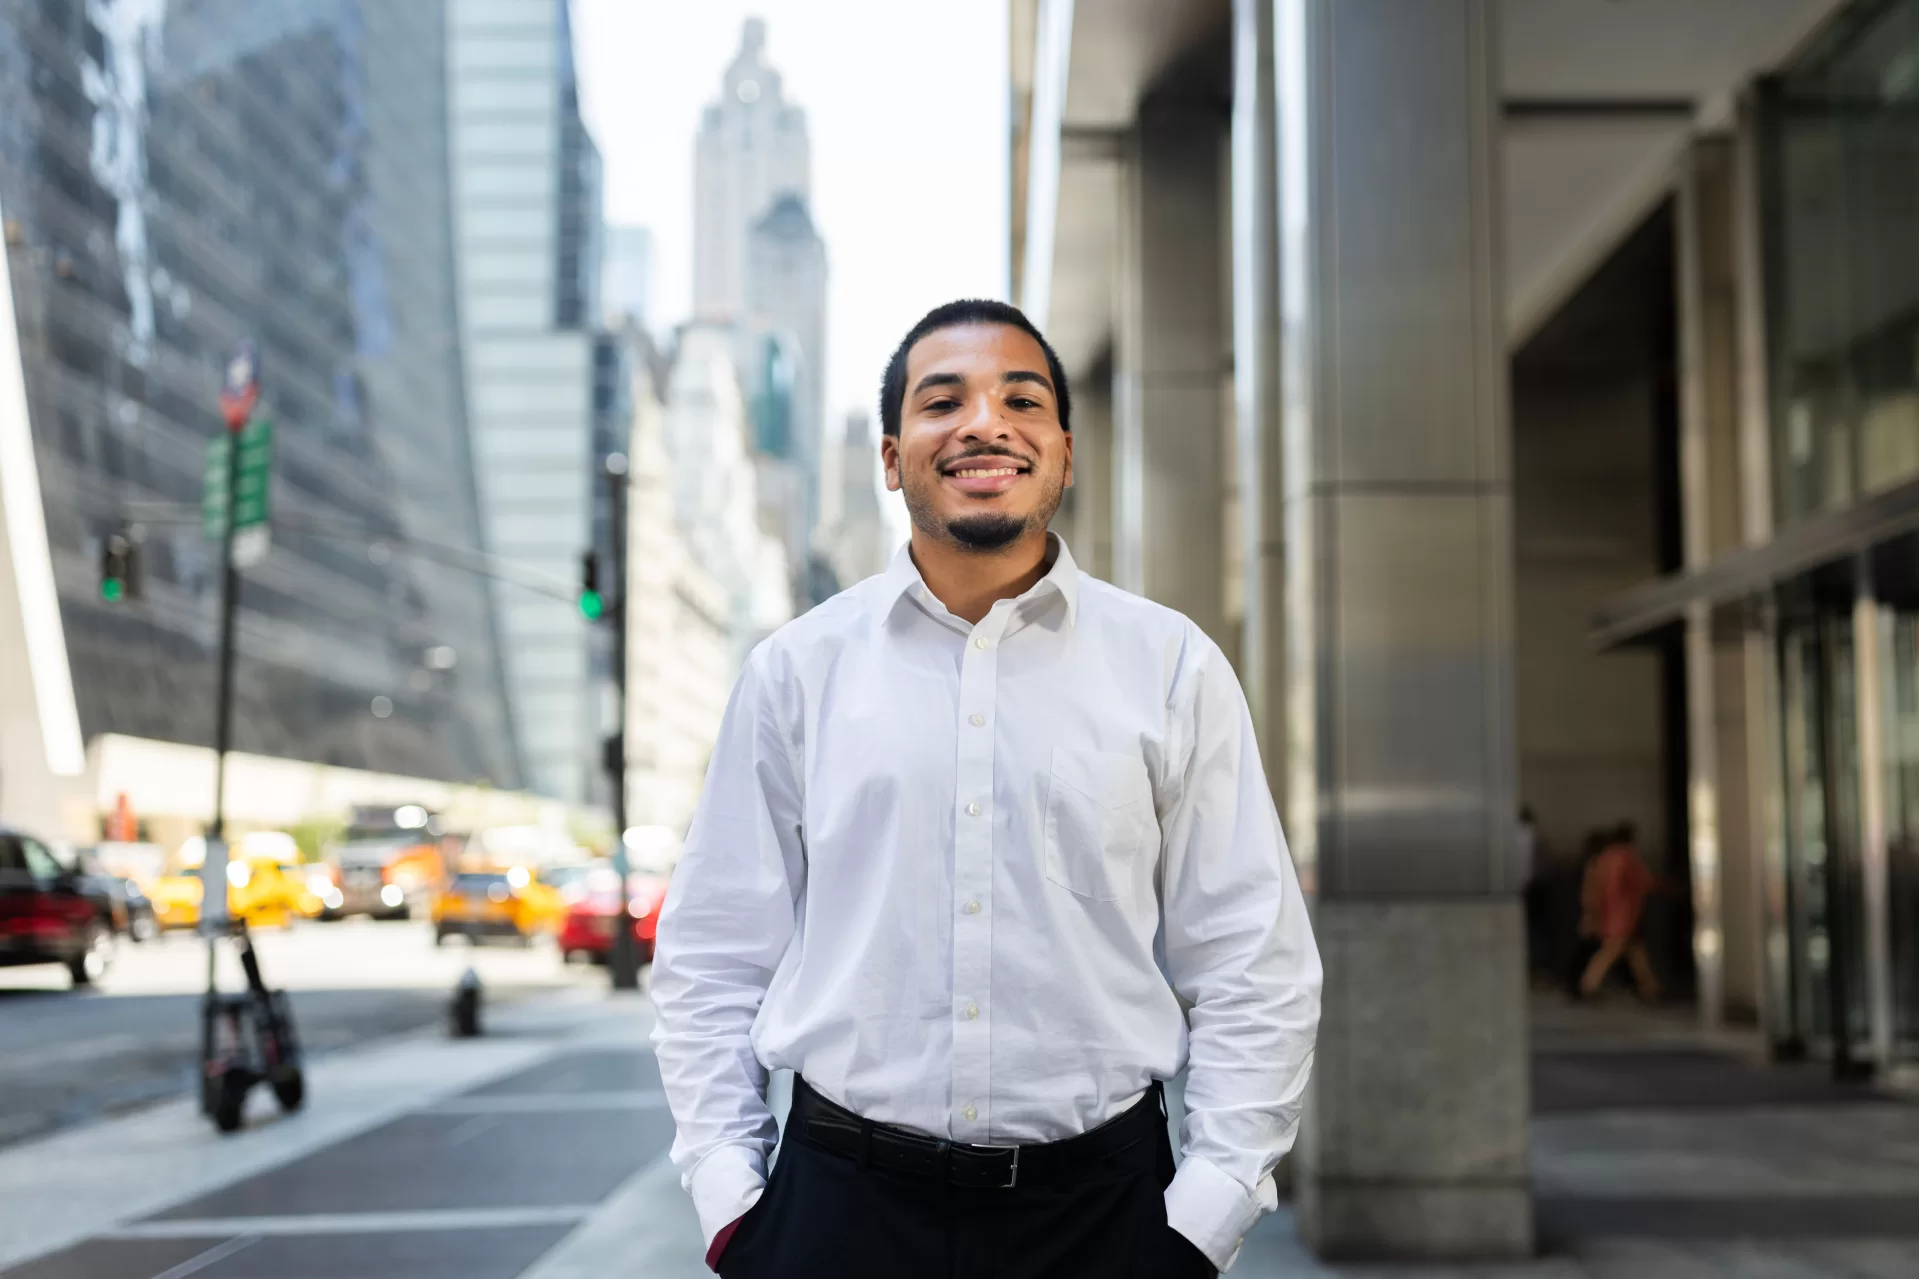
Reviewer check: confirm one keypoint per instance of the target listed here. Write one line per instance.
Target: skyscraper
(172, 178)
(786, 295)
(527, 194)
(626, 276)
(752, 149)
(759, 267)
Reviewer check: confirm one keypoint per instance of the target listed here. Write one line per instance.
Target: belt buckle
(1012, 1171)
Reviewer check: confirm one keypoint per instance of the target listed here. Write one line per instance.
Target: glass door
(1824, 881)
(1901, 717)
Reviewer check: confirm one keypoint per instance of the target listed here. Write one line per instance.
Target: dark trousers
(823, 1216)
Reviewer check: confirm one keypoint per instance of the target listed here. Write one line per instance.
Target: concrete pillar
(1757, 679)
(1170, 383)
(1397, 509)
(1089, 521)
(1708, 408)
(1256, 355)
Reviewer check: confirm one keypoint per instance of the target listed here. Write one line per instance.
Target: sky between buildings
(906, 105)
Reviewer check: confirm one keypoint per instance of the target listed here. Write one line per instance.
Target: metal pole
(215, 855)
(239, 393)
(624, 962)
(229, 608)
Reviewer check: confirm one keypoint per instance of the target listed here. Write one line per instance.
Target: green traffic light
(113, 590)
(591, 605)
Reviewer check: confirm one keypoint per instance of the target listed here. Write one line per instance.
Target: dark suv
(48, 913)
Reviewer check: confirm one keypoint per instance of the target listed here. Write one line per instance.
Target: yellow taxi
(264, 885)
(509, 902)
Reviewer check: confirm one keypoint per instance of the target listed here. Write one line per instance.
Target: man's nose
(984, 421)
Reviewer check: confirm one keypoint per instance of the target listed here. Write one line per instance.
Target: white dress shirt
(961, 878)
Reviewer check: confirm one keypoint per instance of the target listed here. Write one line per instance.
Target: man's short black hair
(952, 315)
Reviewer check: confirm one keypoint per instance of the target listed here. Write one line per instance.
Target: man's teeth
(980, 475)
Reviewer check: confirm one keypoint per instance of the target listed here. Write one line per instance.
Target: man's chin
(986, 530)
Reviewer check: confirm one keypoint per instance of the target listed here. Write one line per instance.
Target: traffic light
(592, 603)
(119, 568)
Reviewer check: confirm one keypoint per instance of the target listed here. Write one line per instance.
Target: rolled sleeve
(1240, 951)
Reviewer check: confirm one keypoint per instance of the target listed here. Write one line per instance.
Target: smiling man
(985, 856)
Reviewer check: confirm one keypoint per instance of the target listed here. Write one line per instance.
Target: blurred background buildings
(403, 205)
(169, 180)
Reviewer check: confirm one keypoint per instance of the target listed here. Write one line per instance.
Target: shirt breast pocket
(1099, 819)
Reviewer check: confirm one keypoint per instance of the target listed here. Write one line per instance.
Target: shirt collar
(902, 575)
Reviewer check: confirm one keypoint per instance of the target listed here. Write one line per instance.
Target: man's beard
(986, 531)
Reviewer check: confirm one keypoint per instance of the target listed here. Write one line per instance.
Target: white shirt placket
(972, 905)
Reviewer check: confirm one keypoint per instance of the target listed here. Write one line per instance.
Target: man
(974, 831)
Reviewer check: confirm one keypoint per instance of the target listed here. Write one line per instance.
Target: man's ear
(890, 461)
(1069, 460)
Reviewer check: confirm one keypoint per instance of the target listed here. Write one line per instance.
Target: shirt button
(976, 720)
(971, 908)
(972, 809)
(972, 1011)
(979, 642)
(970, 1113)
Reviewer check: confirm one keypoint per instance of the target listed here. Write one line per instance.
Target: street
(68, 1056)
(539, 1149)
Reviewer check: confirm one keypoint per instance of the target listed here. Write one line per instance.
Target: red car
(50, 913)
(593, 904)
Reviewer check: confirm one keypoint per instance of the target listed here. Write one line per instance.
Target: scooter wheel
(291, 1089)
(230, 1100)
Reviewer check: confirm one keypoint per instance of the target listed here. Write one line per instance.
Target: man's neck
(970, 582)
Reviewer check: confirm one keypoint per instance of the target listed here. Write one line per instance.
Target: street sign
(255, 474)
(240, 383)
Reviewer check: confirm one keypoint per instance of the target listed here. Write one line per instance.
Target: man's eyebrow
(939, 379)
(1025, 375)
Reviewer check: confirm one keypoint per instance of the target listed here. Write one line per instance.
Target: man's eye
(940, 406)
(1023, 402)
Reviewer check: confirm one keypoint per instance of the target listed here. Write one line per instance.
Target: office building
(856, 539)
(786, 292)
(526, 189)
(715, 477)
(759, 266)
(1523, 396)
(626, 276)
(682, 657)
(752, 149)
(173, 178)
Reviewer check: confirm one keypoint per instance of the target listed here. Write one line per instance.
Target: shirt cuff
(1214, 1211)
(717, 1249)
(724, 1185)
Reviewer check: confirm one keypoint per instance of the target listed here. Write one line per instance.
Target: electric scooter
(247, 1038)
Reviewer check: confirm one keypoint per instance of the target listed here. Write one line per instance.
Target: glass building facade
(1838, 148)
(177, 174)
(1844, 164)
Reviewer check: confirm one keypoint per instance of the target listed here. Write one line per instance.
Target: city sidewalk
(421, 1157)
(540, 1151)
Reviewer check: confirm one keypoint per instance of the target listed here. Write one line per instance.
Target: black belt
(835, 1128)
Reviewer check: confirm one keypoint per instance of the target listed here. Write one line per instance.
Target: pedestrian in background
(1616, 887)
(974, 830)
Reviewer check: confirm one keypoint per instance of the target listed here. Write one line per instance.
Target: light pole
(624, 961)
(239, 393)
